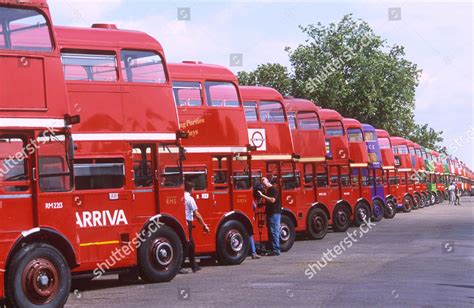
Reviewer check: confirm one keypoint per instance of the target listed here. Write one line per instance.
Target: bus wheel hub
(39, 280)
(163, 252)
(284, 233)
(235, 241)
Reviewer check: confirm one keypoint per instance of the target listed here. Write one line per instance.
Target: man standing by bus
(273, 212)
(191, 213)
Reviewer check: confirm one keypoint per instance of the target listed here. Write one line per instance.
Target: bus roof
(31, 3)
(351, 123)
(398, 141)
(100, 36)
(329, 114)
(382, 133)
(194, 70)
(252, 93)
(368, 127)
(299, 104)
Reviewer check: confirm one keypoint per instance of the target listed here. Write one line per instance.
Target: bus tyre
(440, 196)
(232, 243)
(287, 233)
(317, 224)
(361, 214)
(436, 195)
(417, 203)
(38, 276)
(377, 210)
(423, 201)
(160, 256)
(407, 204)
(390, 209)
(341, 219)
(432, 198)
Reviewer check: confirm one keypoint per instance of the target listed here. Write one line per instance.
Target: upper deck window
(89, 67)
(272, 112)
(384, 143)
(400, 149)
(355, 135)
(250, 111)
(412, 151)
(187, 93)
(142, 67)
(292, 120)
(308, 121)
(221, 94)
(23, 29)
(334, 128)
(370, 136)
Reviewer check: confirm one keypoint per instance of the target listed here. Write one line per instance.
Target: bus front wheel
(38, 276)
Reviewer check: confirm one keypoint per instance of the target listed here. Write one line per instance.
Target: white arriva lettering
(96, 218)
(101, 219)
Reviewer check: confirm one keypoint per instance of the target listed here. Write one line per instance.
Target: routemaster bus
(403, 163)
(420, 176)
(360, 177)
(38, 241)
(415, 173)
(390, 178)
(125, 150)
(375, 174)
(273, 157)
(310, 143)
(338, 169)
(217, 162)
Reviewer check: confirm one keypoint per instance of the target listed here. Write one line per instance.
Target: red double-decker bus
(404, 188)
(339, 173)
(273, 156)
(420, 176)
(310, 144)
(217, 162)
(38, 240)
(127, 160)
(390, 178)
(361, 179)
(416, 176)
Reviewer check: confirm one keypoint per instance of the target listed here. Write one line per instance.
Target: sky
(437, 36)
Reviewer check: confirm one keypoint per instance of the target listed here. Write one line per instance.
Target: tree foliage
(269, 75)
(347, 67)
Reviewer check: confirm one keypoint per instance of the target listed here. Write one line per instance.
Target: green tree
(347, 67)
(269, 75)
(428, 137)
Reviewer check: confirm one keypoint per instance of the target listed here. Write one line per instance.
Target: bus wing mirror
(72, 120)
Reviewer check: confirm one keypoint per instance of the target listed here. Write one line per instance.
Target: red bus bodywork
(416, 176)
(359, 163)
(273, 155)
(35, 152)
(403, 163)
(211, 112)
(338, 168)
(420, 173)
(310, 145)
(390, 177)
(127, 132)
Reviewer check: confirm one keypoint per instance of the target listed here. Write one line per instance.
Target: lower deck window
(99, 173)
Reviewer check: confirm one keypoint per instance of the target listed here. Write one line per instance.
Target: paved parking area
(423, 258)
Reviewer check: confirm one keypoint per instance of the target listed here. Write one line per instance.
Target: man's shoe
(182, 271)
(196, 269)
(255, 256)
(273, 254)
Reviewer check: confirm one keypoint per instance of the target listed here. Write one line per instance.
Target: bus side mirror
(72, 120)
